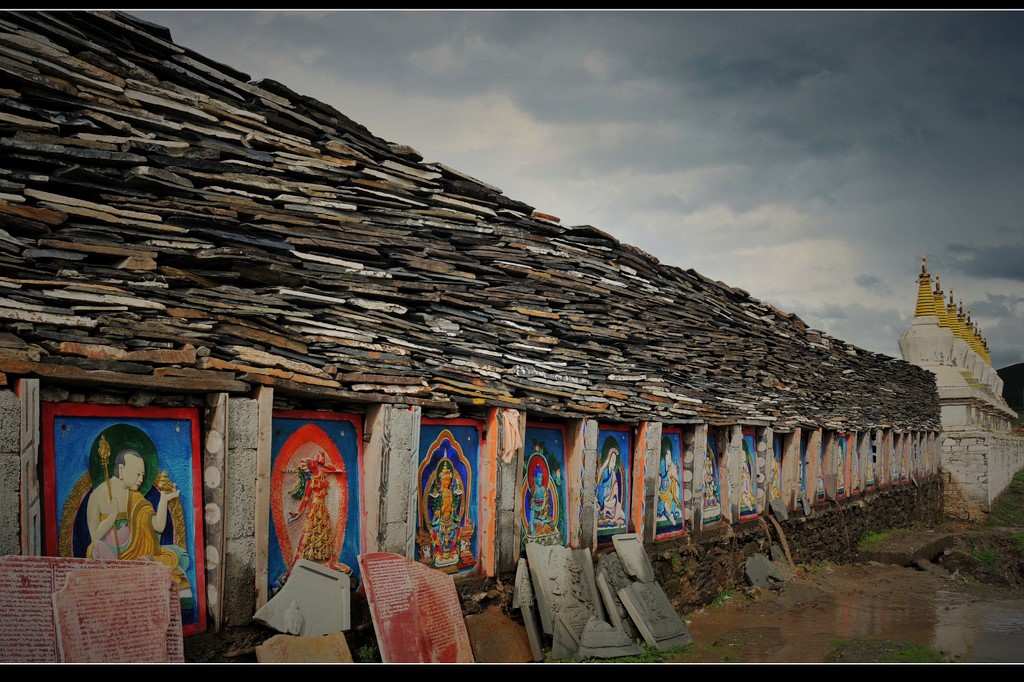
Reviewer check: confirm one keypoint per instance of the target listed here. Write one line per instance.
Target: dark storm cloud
(872, 284)
(990, 262)
(997, 305)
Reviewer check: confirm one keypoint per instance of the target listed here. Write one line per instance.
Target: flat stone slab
(316, 600)
(415, 610)
(332, 648)
(633, 556)
(611, 578)
(757, 567)
(566, 594)
(778, 508)
(28, 628)
(601, 639)
(522, 599)
(115, 616)
(907, 547)
(654, 615)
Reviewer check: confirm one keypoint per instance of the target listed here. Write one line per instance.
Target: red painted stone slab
(415, 610)
(28, 630)
(113, 616)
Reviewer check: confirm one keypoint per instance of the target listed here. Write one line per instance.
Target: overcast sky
(810, 158)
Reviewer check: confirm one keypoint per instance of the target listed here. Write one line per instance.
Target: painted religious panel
(804, 442)
(819, 482)
(615, 445)
(748, 476)
(124, 483)
(894, 461)
(711, 489)
(856, 465)
(315, 466)
(908, 454)
(447, 499)
(842, 462)
(542, 493)
(918, 458)
(871, 461)
(670, 484)
(775, 472)
(886, 459)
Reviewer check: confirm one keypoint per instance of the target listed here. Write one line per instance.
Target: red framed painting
(124, 482)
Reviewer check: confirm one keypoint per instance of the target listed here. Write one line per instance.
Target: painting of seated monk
(123, 483)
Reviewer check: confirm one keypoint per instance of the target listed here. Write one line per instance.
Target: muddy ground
(965, 606)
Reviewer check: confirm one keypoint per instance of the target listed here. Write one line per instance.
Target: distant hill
(1013, 385)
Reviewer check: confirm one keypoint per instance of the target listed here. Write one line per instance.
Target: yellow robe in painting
(132, 538)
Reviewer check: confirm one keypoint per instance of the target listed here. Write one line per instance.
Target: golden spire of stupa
(925, 300)
(940, 308)
(973, 340)
(960, 328)
(951, 313)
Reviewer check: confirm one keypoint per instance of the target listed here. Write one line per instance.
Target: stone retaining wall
(977, 467)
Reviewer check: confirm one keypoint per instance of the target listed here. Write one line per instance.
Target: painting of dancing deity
(670, 484)
(315, 465)
(124, 483)
(748, 476)
(542, 493)
(613, 476)
(711, 491)
(448, 507)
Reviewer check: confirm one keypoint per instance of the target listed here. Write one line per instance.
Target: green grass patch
(714, 652)
(1018, 542)
(367, 653)
(650, 654)
(1008, 509)
(986, 556)
(869, 539)
(881, 651)
(721, 598)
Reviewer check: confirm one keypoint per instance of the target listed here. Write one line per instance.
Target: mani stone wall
(977, 467)
(694, 569)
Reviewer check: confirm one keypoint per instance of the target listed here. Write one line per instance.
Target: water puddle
(800, 622)
(986, 632)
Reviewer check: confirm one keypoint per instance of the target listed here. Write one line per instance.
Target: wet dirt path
(798, 621)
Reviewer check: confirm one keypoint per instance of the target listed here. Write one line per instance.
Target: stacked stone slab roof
(168, 225)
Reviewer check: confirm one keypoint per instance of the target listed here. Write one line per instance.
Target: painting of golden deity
(447, 497)
(669, 500)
